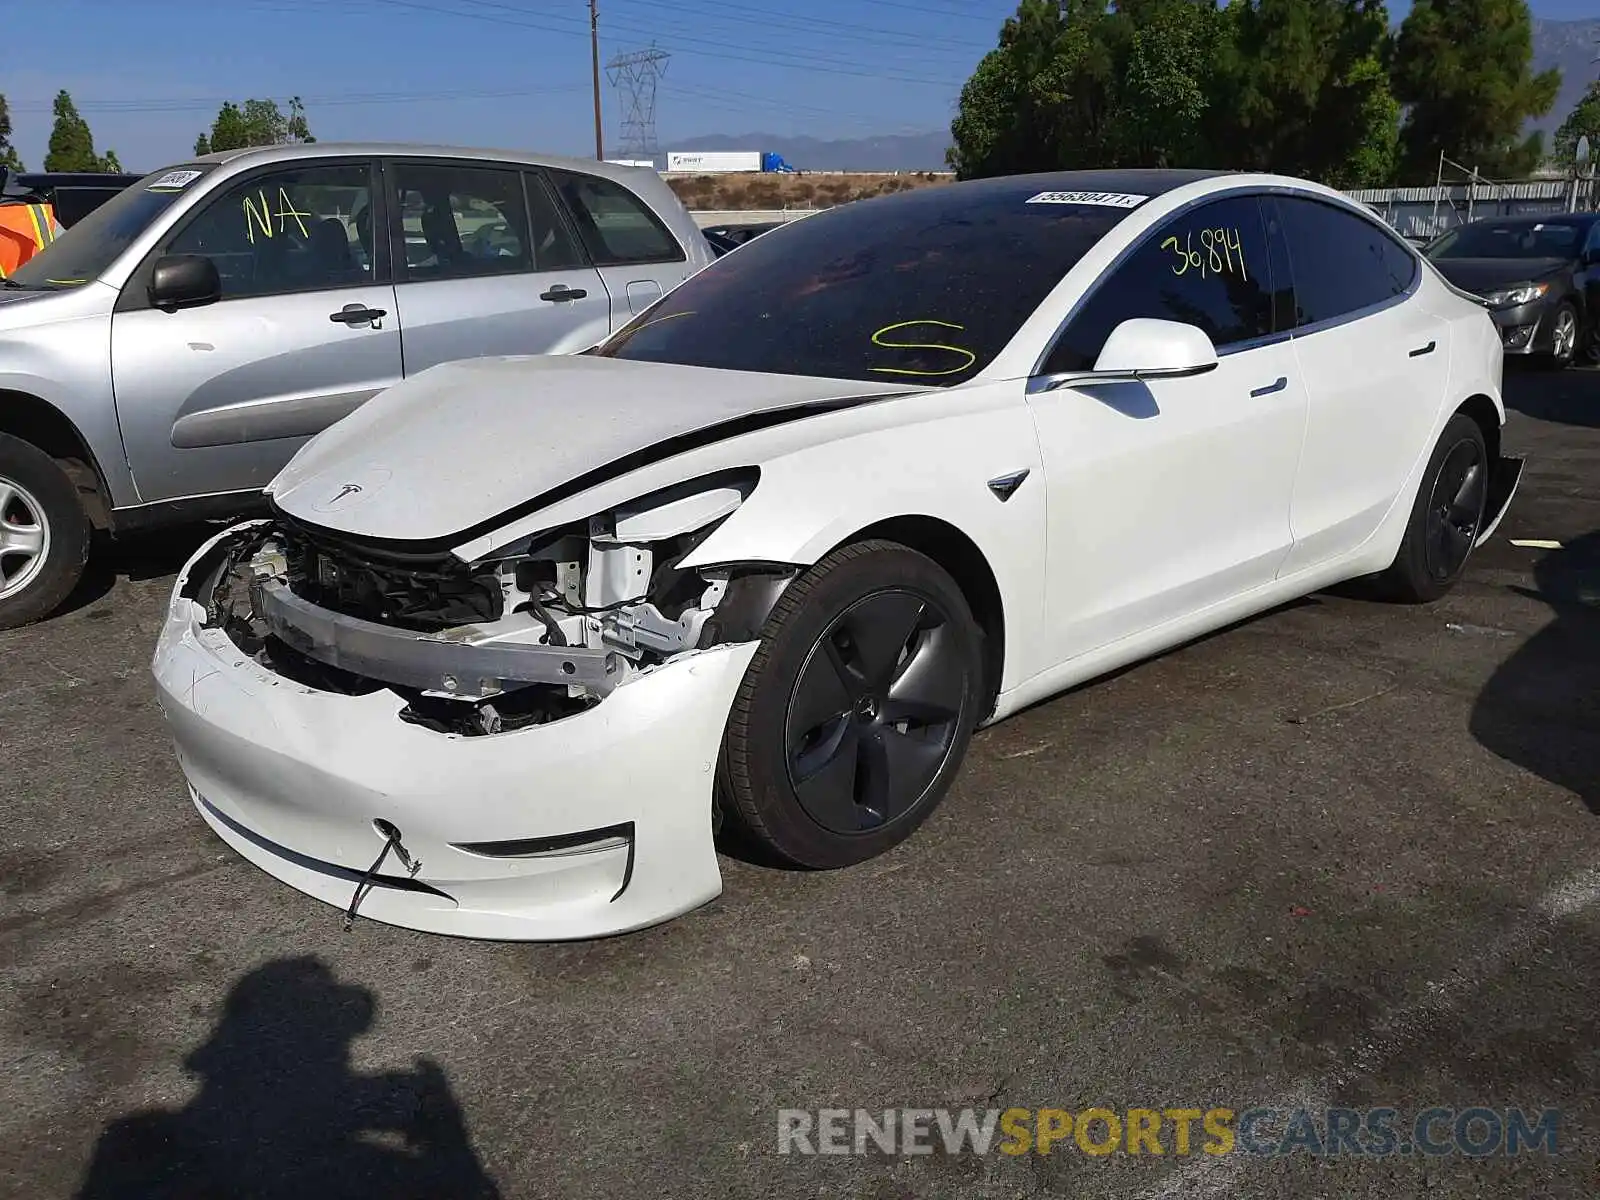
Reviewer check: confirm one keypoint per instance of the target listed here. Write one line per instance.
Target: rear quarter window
(616, 226)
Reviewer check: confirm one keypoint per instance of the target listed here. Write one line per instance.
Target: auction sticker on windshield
(1102, 199)
(174, 181)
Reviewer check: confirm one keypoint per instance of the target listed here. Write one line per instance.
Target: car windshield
(88, 248)
(1510, 239)
(925, 287)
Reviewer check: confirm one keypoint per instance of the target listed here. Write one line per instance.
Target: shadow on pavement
(1566, 397)
(1541, 708)
(281, 1115)
(136, 556)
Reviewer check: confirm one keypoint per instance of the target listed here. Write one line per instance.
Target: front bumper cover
(594, 824)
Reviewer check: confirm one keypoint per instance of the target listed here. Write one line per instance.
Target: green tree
(1044, 97)
(255, 123)
(10, 160)
(71, 144)
(1305, 90)
(1584, 119)
(110, 164)
(1164, 112)
(1464, 68)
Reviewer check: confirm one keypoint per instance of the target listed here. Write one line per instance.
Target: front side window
(99, 239)
(1206, 267)
(925, 287)
(616, 226)
(302, 229)
(1342, 262)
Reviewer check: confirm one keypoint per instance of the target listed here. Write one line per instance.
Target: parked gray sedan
(165, 358)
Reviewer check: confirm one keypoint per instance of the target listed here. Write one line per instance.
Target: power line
(768, 19)
(206, 103)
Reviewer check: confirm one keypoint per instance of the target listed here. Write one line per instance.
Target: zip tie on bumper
(391, 842)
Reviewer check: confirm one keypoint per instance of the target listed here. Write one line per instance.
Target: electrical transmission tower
(635, 76)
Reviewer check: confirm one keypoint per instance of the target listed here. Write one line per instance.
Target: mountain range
(1570, 45)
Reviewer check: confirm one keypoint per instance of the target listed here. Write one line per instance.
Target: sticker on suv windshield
(174, 181)
(1102, 199)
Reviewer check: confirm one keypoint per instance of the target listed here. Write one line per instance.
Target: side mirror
(1145, 348)
(184, 281)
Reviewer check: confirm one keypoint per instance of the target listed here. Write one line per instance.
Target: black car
(72, 194)
(724, 238)
(1539, 276)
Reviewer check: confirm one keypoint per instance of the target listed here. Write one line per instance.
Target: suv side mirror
(1146, 348)
(184, 281)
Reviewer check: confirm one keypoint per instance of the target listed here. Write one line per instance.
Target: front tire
(857, 709)
(1565, 334)
(44, 534)
(1445, 519)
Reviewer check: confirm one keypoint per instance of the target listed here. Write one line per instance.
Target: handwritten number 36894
(1219, 253)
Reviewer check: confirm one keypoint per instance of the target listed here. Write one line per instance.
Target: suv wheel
(44, 534)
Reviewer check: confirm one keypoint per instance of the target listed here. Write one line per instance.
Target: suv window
(616, 226)
(1207, 267)
(302, 229)
(1342, 262)
(459, 222)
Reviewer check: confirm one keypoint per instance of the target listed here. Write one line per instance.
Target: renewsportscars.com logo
(1264, 1132)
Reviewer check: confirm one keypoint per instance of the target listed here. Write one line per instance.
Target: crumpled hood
(464, 442)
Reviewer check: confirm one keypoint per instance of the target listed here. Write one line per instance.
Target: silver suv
(163, 359)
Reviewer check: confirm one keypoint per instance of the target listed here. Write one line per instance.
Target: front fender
(812, 500)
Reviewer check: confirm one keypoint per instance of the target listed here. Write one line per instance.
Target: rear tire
(857, 709)
(44, 534)
(1445, 518)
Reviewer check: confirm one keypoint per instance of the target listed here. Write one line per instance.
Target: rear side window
(459, 222)
(616, 226)
(1207, 266)
(1342, 262)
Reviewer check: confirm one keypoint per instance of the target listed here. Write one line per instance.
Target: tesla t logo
(349, 489)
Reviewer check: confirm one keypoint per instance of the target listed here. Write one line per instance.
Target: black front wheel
(857, 709)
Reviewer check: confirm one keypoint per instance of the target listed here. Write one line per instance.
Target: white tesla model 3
(521, 633)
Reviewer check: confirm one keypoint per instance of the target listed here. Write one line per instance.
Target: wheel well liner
(959, 555)
(42, 424)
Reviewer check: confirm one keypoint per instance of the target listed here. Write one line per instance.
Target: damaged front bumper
(592, 823)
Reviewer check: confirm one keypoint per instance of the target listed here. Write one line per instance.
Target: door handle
(358, 314)
(561, 292)
(1281, 383)
(1421, 350)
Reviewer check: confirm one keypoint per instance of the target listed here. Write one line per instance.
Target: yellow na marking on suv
(877, 341)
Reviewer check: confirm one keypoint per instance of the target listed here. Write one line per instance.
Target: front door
(488, 266)
(1170, 497)
(218, 398)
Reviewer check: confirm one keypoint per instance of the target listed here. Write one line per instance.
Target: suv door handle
(1421, 350)
(357, 314)
(560, 292)
(1278, 386)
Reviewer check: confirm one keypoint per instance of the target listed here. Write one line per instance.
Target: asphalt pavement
(1343, 855)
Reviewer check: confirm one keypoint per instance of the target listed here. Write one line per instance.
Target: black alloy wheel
(1446, 517)
(1455, 509)
(875, 712)
(856, 710)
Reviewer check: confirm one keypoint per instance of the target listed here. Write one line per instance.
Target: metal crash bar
(473, 671)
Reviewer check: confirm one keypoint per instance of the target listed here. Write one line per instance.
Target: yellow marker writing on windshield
(877, 341)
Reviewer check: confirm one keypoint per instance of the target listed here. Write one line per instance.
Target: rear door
(1376, 363)
(487, 265)
(637, 255)
(218, 398)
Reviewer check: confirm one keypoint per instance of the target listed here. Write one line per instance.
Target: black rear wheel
(1446, 518)
(857, 709)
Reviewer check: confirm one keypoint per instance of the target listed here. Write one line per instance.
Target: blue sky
(149, 74)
